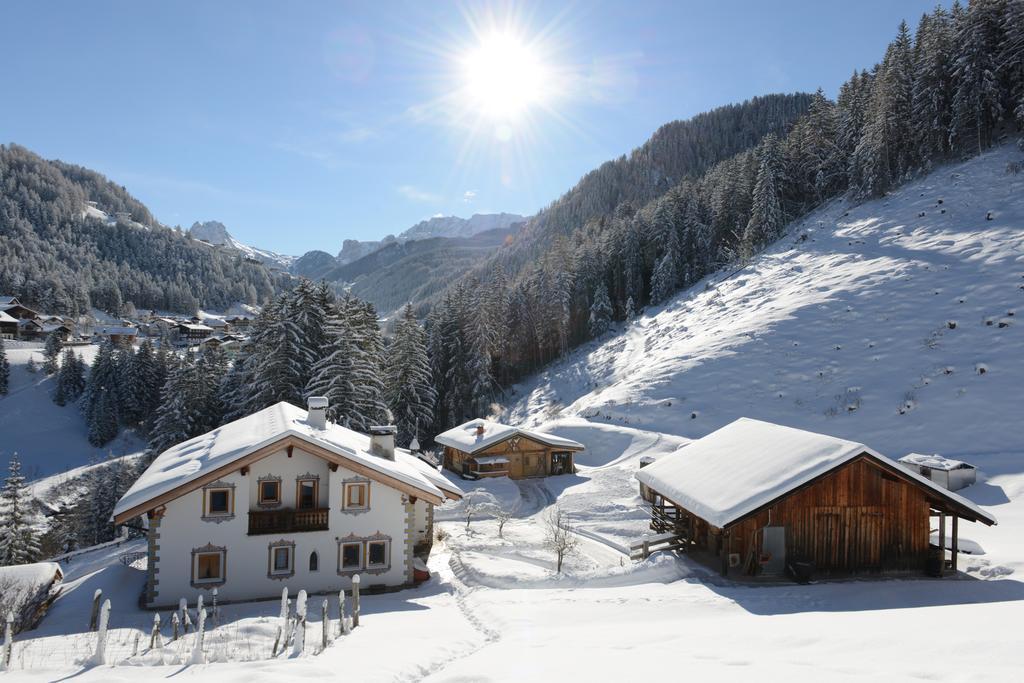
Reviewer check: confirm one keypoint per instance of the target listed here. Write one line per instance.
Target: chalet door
(533, 464)
(827, 527)
(869, 539)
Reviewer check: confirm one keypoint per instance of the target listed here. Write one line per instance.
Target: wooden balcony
(287, 521)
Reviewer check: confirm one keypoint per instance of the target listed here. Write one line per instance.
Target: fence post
(197, 651)
(94, 615)
(185, 620)
(326, 624)
(5, 662)
(135, 647)
(355, 601)
(175, 624)
(215, 615)
(154, 636)
(282, 628)
(100, 656)
(300, 624)
(341, 612)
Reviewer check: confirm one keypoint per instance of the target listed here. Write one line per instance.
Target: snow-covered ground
(49, 439)
(845, 332)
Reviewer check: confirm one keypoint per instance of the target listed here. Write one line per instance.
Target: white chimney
(316, 407)
(382, 441)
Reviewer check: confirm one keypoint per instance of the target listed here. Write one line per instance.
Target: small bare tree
(502, 516)
(559, 537)
(470, 507)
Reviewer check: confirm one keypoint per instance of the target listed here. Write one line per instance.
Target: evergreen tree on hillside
(5, 370)
(977, 98)
(19, 543)
(51, 352)
(933, 85)
(178, 417)
(333, 375)
(279, 357)
(408, 386)
(367, 366)
(102, 396)
(1011, 56)
(600, 311)
(766, 217)
(70, 379)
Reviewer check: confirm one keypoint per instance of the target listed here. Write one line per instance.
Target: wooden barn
(756, 498)
(481, 448)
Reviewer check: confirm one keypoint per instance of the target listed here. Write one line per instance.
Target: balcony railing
(285, 521)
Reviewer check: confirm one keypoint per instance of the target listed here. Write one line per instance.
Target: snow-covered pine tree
(1011, 56)
(101, 400)
(308, 309)
(630, 309)
(766, 216)
(178, 418)
(367, 366)
(977, 97)
(932, 86)
(19, 543)
(280, 360)
(51, 352)
(332, 376)
(5, 370)
(209, 373)
(408, 385)
(600, 311)
(145, 381)
(70, 379)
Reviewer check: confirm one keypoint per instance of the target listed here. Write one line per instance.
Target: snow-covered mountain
(436, 226)
(896, 322)
(217, 234)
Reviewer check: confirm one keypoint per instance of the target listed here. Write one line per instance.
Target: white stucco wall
(183, 529)
(421, 521)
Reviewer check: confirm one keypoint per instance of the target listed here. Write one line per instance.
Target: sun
(503, 77)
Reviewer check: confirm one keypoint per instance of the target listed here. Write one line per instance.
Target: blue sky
(303, 124)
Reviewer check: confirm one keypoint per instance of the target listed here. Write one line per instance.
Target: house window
(306, 494)
(357, 496)
(270, 492)
(281, 559)
(218, 502)
(314, 562)
(376, 554)
(208, 566)
(351, 556)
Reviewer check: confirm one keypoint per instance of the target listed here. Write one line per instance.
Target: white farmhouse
(283, 497)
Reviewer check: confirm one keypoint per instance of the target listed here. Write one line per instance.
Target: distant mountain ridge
(216, 233)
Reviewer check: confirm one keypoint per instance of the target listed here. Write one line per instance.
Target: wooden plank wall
(528, 459)
(859, 518)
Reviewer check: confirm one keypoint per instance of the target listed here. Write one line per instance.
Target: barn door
(869, 539)
(827, 526)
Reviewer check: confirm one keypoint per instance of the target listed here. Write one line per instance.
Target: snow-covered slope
(217, 234)
(896, 323)
(453, 226)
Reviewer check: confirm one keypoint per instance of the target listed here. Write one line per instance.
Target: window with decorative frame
(377, 556)
(350, 556)
(209, 566)
(218, 501)
(307, 491)
(269, 492)
(281, 559)
(356, 496)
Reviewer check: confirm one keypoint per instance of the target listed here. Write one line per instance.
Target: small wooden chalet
(190, 333)
(759, 498)
(118, 334)
(481, 448)
(14, 308)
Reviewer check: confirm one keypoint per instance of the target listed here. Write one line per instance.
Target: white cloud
(417, 194)
(468, 196)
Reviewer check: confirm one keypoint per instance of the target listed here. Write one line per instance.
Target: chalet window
(314, 561)
(208, 566)
(306, 494)
(218, 502)
(351, 556)
(376, 554)
(270, 492)
(356, 496)
(281, 559)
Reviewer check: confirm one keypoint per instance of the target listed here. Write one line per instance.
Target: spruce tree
(408, 386)
(977, 98)
(51, 352)
(19, 543)
(1011, 56)
(178, 418)
(766, 217)
(600, 311)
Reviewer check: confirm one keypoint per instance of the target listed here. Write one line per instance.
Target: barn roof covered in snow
(220, 450)
(4, 318)
(748, 464)
(935, 462)
(470, 438)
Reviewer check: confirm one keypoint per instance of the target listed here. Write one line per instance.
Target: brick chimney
(382, 441)
(480, 429)
(316, 416)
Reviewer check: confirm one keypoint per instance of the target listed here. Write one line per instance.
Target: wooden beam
(956, 540)
(942, 542)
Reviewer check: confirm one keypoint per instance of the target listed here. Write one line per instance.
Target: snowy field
(48, 438)
(876, 327)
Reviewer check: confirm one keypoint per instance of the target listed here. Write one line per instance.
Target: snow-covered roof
(935, 462)
(5, 318)
(196, 327)
(30, 575)
(749, 463)
(192, 459)
(469, 439)
(9, 301)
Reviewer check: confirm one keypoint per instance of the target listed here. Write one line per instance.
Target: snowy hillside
(217, 234)
(453, 226)
(895, 322)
